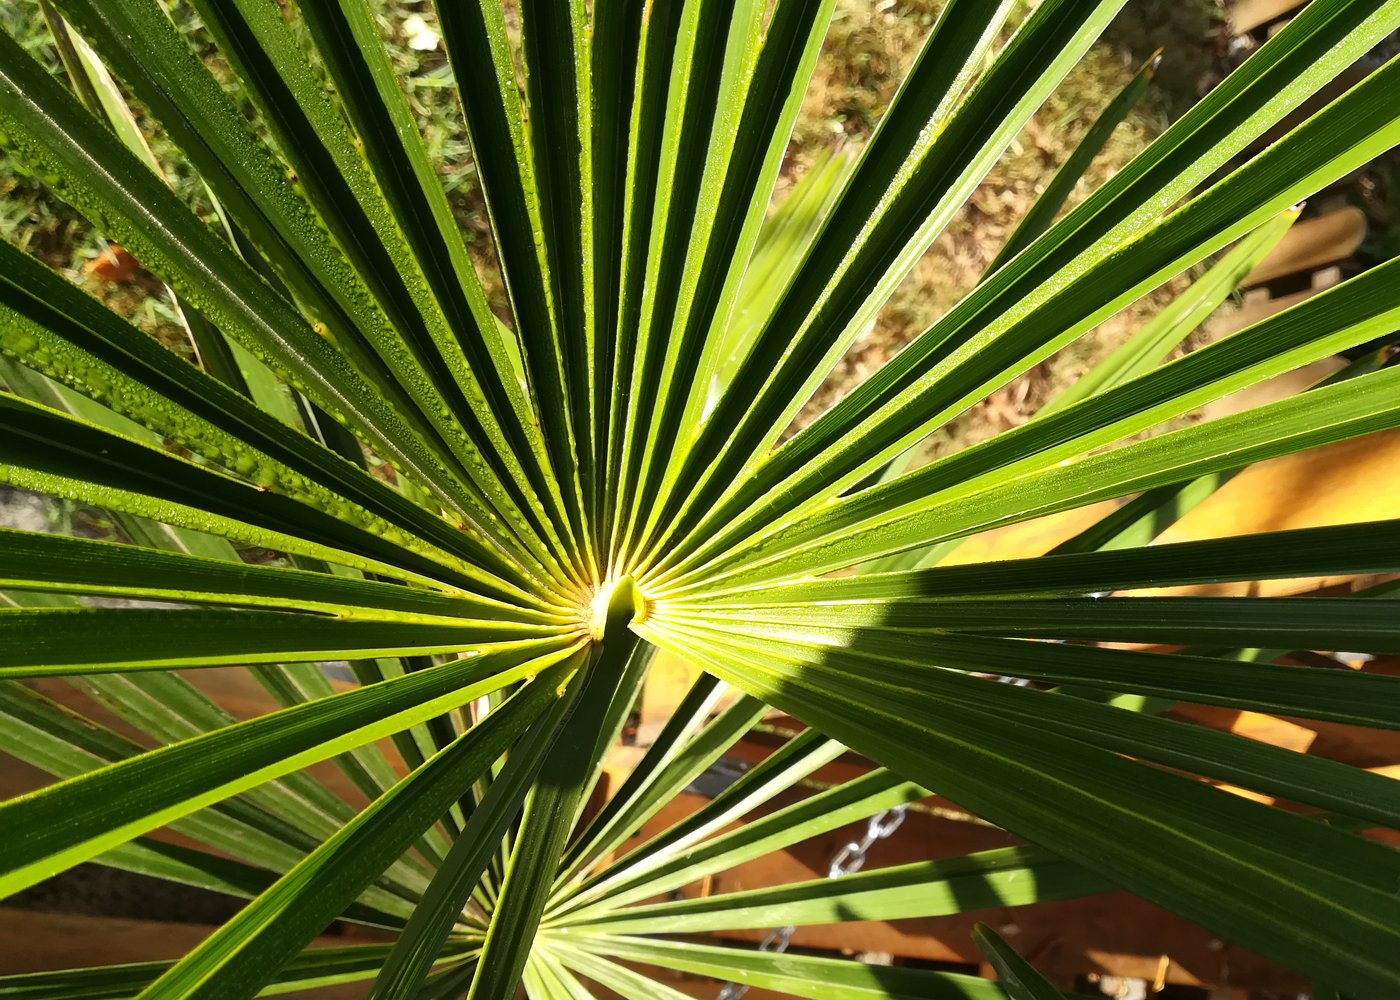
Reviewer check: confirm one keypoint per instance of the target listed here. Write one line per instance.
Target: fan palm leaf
(498, 520)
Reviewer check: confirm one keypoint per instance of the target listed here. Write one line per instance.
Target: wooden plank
(35, 941)
(668, 680)
(1340, 483)
(1311, 244)
(1246, 15)
(1029, 538)
(1258, 306)
(1111, 934)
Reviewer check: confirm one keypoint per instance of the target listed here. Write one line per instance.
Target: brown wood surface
(1310, 244)
(33, 941)
(1246, 15)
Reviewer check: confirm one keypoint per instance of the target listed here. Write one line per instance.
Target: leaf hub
(616, 605)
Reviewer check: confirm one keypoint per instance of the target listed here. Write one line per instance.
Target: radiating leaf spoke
(72, 565)
(1295, 63)
(66, 744)
(788, 765)
(542, 836)
(1299, 691)
(1367, 547)
(1256, 874)
(45, 641)
(81, 817)
(247, 951)
(960, 364)
(312, 968)
(42, 440)
(477, 44)
(1301, 623)
(89, 347)
(1007, 877)
(818, 814)
(105, 180)
(1049, 202)
(1334, 413)
(442, 905)
(899, 198)
(800, 975)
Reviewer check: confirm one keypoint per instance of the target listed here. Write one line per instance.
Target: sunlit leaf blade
(1306, 333)
(169, 709)
(46, 442)
(799, 975)
(712, 58)
(708, 218)
(786, 766)
(568, 985)
(248, 950)
(1149, 345)
(79, 818)
(1139, 521)
(827, 810)
(1361, 548)
(783, 240)
(101, 95)
(52, 326)
(963, 356)
(46, 641)
(677, 756)
(899, 197)
(1042, 213)
(1312, 49)
(348, 42)
(209, 871)
(442, 904)
(1302, 623)
(558, 107)
(562, 778)
(66, 744)
(440, 281)
(1334, 413)
(54, 563)
(93, 168)
(73, 63)
(483, 62)
(1007, 877)
(629, 984)
(492, 476)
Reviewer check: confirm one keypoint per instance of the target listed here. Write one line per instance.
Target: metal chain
(849, 860)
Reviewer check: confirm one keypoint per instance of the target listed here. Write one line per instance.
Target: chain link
(849, 860)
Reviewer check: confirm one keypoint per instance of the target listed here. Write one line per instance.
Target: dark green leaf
(1015, 974)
